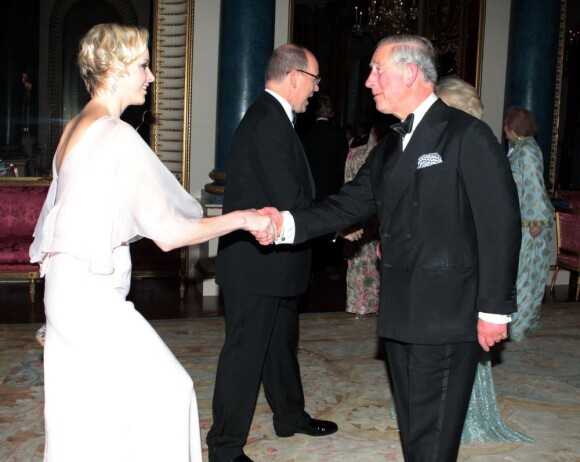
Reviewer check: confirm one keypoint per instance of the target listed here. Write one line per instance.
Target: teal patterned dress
(483, 422)
(536, 209)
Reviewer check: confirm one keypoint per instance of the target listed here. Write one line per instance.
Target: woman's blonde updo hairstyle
(106, 50)
(457, 93)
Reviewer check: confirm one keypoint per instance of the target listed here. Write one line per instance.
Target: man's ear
(293, 78)
(412, 74)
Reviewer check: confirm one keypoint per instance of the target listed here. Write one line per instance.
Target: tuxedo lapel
(402, 173)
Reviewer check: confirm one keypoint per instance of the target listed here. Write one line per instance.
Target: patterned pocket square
(427, 160)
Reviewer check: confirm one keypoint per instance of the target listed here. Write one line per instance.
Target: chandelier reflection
(385, 17)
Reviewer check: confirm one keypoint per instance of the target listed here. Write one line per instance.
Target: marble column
(246, 43)
(532, 61)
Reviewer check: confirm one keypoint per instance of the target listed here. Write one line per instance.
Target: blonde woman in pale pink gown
(113, 390)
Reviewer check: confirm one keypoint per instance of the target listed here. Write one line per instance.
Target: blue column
(532, 61)
(246, 43)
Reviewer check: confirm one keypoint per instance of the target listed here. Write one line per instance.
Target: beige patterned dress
(362, 274)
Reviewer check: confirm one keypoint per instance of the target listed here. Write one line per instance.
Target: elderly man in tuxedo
(450, 235)
(261, 285)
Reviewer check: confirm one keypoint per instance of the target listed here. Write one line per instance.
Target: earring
(113, 85)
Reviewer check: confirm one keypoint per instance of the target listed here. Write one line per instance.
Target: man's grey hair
(285, 59)
(413, 49)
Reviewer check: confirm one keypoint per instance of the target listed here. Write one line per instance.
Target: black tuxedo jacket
(326, 149)
(267, 167)
(450, 232)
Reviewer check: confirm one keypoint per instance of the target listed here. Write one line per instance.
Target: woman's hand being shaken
(261, 226)
(277, 222)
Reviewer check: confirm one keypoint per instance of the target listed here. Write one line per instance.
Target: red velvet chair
(21, 200)
(568, 247)
(20, 205)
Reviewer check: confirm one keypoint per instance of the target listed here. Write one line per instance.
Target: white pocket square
(427, 160)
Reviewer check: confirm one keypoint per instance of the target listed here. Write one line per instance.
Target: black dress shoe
(313, 428)
(242, 458)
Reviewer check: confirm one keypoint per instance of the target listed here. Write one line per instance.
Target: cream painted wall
(495, 45)
(204, 92)
(281, 23)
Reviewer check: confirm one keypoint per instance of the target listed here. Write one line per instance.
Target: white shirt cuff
(288, 231)
(495, 318)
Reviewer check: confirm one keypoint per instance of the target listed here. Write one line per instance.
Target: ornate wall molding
(172, 66)
(172, 58)
(456, 30)
(554, 148)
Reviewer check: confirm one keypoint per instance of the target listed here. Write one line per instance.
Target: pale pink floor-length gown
(113, 389)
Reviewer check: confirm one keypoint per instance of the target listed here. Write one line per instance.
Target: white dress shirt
(285, 104)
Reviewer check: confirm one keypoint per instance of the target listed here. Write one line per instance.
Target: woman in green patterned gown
(537, 217)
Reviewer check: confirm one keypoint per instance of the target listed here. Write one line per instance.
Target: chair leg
(554, 279)
(573, 286)
(182, 287)
(32, 289)
(577, 287)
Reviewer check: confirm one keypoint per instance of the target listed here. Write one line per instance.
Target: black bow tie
(294, 118)
(404, 127)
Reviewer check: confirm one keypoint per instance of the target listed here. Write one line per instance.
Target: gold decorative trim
(30, 276)
(214, 189)
(480, 42)
(173, 31)
(173, 35)
(290, 21)
(215, 175)
(552, 181)
(25, 181)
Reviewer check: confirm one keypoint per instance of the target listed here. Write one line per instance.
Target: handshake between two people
(264, 224)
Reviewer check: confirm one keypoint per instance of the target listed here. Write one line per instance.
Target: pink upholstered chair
(20, 205)
(568, 247)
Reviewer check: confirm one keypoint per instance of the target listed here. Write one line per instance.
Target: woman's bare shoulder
(75, 129)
